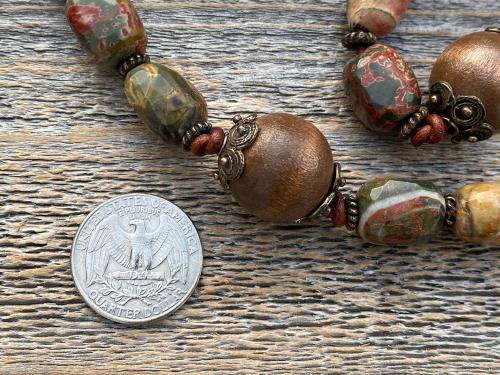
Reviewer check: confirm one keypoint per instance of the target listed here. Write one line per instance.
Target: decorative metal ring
(231, 164)
(441, 96)
(468, 111)
(244, 132)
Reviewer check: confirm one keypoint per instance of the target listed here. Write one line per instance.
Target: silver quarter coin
(136, 258)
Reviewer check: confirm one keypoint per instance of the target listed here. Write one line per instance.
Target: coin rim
(107, 315)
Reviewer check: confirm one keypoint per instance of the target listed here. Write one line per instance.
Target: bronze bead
(471, 66)
(288, 170)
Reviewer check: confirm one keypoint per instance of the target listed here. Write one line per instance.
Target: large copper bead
(288, 170)
(471, 65)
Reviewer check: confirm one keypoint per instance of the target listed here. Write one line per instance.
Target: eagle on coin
(136, 249)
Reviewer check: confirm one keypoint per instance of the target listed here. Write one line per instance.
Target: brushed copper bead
(471, 66)
(288, 170)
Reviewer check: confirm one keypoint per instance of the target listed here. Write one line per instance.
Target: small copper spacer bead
(208, 144)
(338, 213)
(216, 141)
(433, 132)
(421, 136)
(199, 144)
(132, 62)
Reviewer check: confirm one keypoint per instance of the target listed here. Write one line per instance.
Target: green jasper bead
(400, 212)
(382, 89)
(109, 30)
(164, 100)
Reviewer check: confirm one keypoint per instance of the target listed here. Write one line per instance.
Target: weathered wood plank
(306, 299)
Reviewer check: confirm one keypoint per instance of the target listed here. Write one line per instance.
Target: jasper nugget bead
(400, 212)
(109, 30)
(164, 100)
(288, 170)
(382, 89)
(478, 213)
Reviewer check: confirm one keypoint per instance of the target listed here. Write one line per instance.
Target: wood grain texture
(278, 300)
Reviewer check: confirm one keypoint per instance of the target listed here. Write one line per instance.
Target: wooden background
(306, 299)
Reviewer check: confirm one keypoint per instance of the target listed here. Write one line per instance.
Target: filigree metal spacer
(194, 132)
(464, 115)
(337, 181)
(231, 163)
(414, 121)
(132, 62)
(358, 38)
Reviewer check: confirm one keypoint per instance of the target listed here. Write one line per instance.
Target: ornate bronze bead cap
(231, 158)
(338, 181)
(465, 86)
(464, 115)
(279, 167)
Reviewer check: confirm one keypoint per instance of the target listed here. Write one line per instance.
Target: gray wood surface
(306, 299)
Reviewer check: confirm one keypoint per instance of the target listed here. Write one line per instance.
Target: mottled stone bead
(470, 65)
(382, 89)
(400, 212)
(478, 213)
(288, 170)
(379, 17)
(109, 30)
(164, 100)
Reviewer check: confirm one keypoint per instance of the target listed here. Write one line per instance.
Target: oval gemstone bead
(164, 100)
(400, 212)
(478, 213)
(382, 89)
(109, 30)
(379, 17)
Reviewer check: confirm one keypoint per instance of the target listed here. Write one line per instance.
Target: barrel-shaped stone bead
(164, 100)
(379, 17)
(382, 89)
(400, 212)
(478, 213)
(109, 30)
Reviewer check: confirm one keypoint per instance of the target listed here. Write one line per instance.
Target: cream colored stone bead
(478, 213)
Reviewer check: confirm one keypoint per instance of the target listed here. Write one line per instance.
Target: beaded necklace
(464, 83)
(279, 167)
